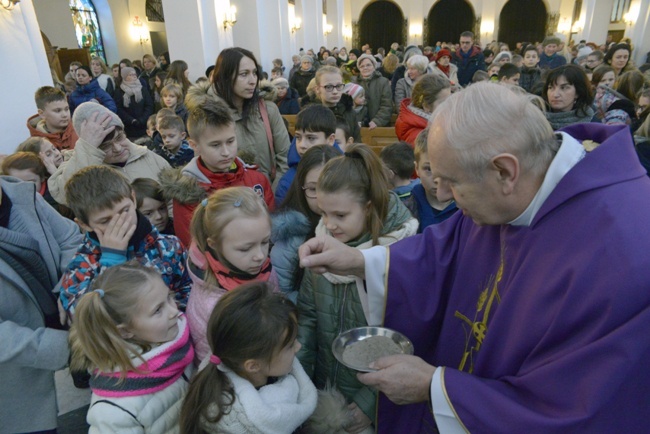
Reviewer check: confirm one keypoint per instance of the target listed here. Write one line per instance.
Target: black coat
(301, 79)
(136, 114)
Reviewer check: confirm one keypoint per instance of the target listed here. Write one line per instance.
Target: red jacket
(191, 184)
(65, 140)
(409, 124)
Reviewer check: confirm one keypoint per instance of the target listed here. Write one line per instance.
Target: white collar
(570, 153)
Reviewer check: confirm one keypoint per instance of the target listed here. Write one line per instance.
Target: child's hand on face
(94, 129)
(48, 162)
(358, 419)
(118, 232)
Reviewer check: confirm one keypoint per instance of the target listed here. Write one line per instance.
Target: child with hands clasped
(105, 207)
(129, 334)
(358, 209)
(231, 234)
(251, 382)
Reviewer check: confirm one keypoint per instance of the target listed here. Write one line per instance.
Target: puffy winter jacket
(91, 92)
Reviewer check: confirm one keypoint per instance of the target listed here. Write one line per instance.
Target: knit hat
(367, 56)
(584, 51)
(356, 52)
(280, 82)
(86, 110)
(126, 71)
(353, 90)
(307, 58)
(551, 40)
(442, 53)
(501, 55)
(330, 61)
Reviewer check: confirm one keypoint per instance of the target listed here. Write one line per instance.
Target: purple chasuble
(540, 329)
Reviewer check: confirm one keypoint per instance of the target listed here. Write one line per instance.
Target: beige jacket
(142, 163)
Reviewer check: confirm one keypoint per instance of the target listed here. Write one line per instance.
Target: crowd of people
(192, 260)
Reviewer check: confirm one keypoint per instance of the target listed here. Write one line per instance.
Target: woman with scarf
(134, 104)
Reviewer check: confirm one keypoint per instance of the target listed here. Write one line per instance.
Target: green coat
(379, 98)
(327, 309)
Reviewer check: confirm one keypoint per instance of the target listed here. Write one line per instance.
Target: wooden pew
(291, 119)
(378, 138)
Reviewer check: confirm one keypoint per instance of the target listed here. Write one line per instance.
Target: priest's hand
(403, 379)
(325, 254)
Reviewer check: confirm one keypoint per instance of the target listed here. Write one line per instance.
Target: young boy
(174, 148)
(531, 75)
(343, 134)
(216, 166)
(105, 207)
(509, 74)
(424, 203)
(315, 125)
(398, 160)
(151, 130)
(151, 204)
(53, 120)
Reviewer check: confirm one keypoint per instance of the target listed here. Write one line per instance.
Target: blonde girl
(358, 209)
(252, 336)
(171, 96)
(231, 234)
(129, 334)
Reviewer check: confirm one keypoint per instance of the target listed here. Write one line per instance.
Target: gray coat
(29, 352)
(379, 98)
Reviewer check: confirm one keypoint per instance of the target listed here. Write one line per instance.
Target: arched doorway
(522, 21)
(447, 19)
(381, 23)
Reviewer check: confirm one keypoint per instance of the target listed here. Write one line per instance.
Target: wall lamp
(230, 18)
(140, 30)
(297, 24)
(9, 4)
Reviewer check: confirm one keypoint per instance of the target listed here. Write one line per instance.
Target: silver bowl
(353, 336)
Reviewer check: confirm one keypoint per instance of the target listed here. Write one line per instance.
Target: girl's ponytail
(209, 395)
(360, 172)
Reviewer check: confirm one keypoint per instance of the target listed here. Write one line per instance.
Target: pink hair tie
(215, 360)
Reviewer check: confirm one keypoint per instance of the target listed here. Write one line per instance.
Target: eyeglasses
(310, 191)
(109, 146)
(331, 87)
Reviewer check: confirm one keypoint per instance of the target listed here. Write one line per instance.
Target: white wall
(24, 69)
(56, 22)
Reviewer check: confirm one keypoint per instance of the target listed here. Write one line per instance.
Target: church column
(594, 21)
(24, 60)
(195, 32)
(312, 24)
(639, 32)
(335, 18)
(263, 28)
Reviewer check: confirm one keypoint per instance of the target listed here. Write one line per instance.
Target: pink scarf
(162, 367)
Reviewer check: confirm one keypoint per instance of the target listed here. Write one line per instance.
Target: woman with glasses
(296, 219)
(330, 93)
(102, 140)
(378, 94)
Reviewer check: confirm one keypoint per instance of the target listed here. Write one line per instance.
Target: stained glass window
(86, 27)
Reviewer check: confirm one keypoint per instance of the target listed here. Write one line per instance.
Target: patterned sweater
(147, 246)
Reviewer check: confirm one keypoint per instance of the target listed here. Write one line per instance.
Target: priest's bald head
(490, 147)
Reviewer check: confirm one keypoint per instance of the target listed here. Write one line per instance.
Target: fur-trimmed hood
(184, 189)
(267, 91)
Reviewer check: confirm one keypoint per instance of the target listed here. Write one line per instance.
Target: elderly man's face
(482, 201)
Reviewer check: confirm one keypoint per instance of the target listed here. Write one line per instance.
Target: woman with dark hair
(568, 94)
(618, 57)
(258, 124)
(88, 89)
(177, 73)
